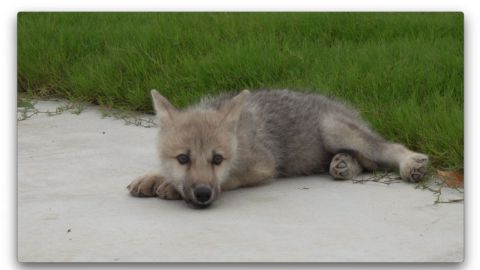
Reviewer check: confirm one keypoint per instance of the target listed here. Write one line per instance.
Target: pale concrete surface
(73, 206)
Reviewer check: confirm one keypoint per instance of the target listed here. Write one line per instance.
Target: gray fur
(290, 125)
(264, 135)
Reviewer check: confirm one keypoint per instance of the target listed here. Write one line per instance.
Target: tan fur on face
(199, 134)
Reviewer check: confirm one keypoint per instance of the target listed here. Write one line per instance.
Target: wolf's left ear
(233, 108)
(163, 109)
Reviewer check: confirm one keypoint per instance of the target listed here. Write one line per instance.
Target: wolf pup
(228, 142)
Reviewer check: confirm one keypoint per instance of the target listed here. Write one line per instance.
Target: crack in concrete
(386, 178)
(432, 184)
(437, 186)
(28, 109)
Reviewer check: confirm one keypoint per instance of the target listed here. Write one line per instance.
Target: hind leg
(352, 135)
(344, 166)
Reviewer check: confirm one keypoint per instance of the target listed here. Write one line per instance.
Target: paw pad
(344, 166)
(414, 167)
(341, 165)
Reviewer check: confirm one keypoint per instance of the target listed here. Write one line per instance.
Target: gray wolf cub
(227, 142)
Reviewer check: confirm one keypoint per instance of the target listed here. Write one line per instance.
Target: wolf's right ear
(163, 109)
(233, 108)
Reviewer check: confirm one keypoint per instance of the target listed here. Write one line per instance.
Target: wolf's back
(289, 124)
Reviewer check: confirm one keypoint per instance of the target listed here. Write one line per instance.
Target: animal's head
(197, 147)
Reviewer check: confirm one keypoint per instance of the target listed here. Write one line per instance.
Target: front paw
(167, 191)
(150, 185)
(414, 167)
(145, 186)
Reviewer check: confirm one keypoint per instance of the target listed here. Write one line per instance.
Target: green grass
(403, 71)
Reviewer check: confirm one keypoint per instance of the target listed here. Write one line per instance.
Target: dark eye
(183, 159)
(217, 159)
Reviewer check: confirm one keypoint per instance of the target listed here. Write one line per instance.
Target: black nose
(202, 193)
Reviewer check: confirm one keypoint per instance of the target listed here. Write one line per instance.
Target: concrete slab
(73, 207)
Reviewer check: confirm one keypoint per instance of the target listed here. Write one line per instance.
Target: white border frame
(8, 145)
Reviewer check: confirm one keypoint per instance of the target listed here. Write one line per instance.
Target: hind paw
(414, 167)
(344, 166)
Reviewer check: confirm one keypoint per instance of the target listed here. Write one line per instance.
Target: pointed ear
(233, 108)
(163, 109)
